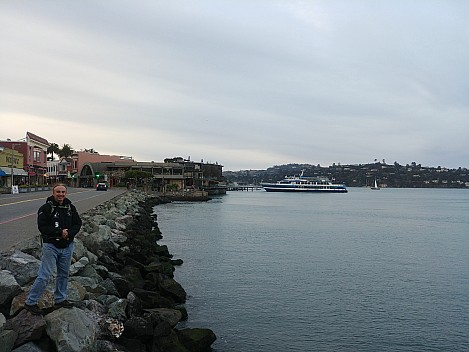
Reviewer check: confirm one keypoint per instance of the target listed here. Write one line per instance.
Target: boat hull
(293, 189)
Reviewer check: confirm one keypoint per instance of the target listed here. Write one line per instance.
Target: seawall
(122, 283)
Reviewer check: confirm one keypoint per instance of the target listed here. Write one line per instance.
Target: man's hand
(65, 234)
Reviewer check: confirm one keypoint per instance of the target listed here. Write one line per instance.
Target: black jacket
(53, 217)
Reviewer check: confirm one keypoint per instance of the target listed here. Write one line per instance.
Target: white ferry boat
(304, 184)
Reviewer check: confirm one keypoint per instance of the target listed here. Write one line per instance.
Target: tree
(66, 151)
(91, 150)
(138, 177)
(137, 174)
(53, 148)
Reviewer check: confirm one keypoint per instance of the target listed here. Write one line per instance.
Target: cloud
(246, 84)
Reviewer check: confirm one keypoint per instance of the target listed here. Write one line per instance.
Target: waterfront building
(11, 165)
(29, 159)
(172, 175)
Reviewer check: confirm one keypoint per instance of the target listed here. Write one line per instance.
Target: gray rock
(85, 281)
(7, 340)
(28, 347)
(173, 289)
(99, 219)
(123, 221)
(96, 307)
(197, 340)
(101, 270)
(172, 316)
(23, 266)
(9, 287)
(111, 223)
(79, 250)
(108, 346)
(76, 291)
(31, 246)
(29, 327)
(152, 299)
(90, 271)
(72, 330)
(92, 288)
(107, 300)
(79, 265)
(166, 339)
(140, 328)
(117, 309)
(110, 287)
(134, 276)
(118, 236)
(99, 241)
(122, 285)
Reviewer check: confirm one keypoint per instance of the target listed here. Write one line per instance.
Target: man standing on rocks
(59, 222)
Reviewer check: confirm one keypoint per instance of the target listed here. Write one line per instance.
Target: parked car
(101, 186)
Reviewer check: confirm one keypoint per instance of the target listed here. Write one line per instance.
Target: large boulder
(7, 340)
(28, 327)
(99, 242)
(140, 328)
(31, 246)
(72, 330)
(172, 316)
(45, 302)
(173, 289)
(197, 339)
(78, 266)
(23, 266)
(166, 339)
(134, 276)
(32, 347)
(9, 287)
(152, 299)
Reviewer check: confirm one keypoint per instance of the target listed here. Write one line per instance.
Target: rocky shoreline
(122, 283)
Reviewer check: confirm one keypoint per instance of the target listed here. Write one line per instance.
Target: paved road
(18, 211)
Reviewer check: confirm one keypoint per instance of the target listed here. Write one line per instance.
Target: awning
(6, 171)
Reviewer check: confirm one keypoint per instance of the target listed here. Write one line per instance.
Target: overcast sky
(248, 84)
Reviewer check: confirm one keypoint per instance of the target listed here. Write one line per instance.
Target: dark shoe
(34, 309)
(63, 304)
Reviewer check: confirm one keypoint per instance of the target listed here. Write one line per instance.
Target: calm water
(368, 270)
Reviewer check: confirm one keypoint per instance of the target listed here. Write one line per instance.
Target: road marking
(34, 199)
(21, 201)
(18, 218)
(30, 200)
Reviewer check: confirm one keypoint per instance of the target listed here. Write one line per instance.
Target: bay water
(368, 270)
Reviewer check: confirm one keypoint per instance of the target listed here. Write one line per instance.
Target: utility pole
(12, 156)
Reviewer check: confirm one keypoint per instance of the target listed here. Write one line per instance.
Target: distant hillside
(400, 176)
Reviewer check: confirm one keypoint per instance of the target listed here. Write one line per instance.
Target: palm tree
(53, 148)
(91, 150)
(66, 151)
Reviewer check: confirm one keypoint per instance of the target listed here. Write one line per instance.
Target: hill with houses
(361, 175)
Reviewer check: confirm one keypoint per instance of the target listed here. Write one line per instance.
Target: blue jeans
(52, 258)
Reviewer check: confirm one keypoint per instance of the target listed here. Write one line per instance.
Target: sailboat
(375, 187)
